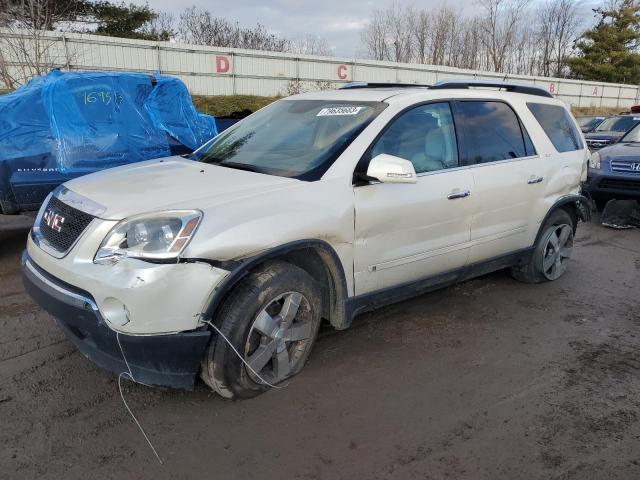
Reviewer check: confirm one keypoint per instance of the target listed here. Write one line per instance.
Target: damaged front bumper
(170, 360)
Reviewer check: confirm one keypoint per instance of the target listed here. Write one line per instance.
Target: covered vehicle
(611, 130)
(67, 124)
(614, 171)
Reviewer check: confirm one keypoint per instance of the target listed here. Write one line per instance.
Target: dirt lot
(490, 379)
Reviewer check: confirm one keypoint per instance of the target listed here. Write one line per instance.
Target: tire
(260, 318)
(552, 250)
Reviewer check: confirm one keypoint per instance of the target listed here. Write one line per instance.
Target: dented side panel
(307, 210)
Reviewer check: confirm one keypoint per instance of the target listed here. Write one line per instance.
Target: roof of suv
(394, 94)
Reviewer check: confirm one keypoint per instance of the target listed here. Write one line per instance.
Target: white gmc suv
(319, 206)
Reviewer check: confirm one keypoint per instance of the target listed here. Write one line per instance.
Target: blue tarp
(67, 124)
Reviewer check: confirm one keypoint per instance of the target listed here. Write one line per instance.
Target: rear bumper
(620, 185)
(170, 360)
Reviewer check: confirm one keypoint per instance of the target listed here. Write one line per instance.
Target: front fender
(329, 257)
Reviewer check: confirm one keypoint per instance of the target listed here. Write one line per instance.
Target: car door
(508, 177)
(406, 232)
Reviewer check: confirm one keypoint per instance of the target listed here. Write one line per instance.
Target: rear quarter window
(558, 125)
(492, 132)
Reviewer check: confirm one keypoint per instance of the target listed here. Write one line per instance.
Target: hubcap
(557, 251)
(278, 337)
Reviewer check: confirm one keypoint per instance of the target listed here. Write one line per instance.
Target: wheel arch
(316, 257)
(577, 206)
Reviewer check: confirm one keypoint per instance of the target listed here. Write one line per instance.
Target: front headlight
(594, 161)
(151, 236)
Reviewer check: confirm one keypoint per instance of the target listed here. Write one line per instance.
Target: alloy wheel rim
(557, 251)
(278, 337)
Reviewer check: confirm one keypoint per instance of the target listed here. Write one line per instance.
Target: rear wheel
(271, 319)
(552, 252)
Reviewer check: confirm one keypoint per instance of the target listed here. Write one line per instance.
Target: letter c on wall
(222, 64)
(342, 72)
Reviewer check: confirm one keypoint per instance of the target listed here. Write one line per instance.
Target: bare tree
(388, 35)
(500, 25)
(420, 31)
(375, 35)
(470, 49)
(399, 27)
(311, 45)
(509, 36)
(161, 26)
(200, 27)
(568, 27)
(26, 48)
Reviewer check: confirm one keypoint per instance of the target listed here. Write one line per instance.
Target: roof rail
(351, 85)
(452, 84)
(510, 87)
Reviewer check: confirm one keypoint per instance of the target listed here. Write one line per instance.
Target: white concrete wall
(226, 71)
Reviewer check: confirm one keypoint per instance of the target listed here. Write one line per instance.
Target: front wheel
(272, 319)
(552, 251)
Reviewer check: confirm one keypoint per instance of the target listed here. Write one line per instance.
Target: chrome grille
(626, 166)
(61, 235)
(597, 144)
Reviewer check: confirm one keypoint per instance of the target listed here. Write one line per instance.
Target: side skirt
(380, 298)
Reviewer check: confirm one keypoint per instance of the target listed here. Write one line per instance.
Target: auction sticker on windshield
(346, 110)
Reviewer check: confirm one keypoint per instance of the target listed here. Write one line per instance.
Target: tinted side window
(424, 135)
(492, 132)
(558, 125)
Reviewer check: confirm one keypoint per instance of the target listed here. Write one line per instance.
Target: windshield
(290, 138)
(633, 136)
(589, 122)
(618, 124)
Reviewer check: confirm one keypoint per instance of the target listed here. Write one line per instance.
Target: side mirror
(390, 169)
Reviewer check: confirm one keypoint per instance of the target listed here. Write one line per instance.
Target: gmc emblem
(635, 167)
(53, 220)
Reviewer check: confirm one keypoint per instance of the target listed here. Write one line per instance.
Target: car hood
(621, 151)
(171, 183)
(604, 135)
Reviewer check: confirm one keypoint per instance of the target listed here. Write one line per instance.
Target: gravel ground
(490, 379)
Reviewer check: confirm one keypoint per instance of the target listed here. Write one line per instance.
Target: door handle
(534, 179)
(459, 194)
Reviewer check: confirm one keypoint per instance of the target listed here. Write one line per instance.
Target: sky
(340, 22)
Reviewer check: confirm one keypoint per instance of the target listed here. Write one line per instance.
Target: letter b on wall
(222, 64)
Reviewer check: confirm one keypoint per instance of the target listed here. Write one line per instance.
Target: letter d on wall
(222, 64)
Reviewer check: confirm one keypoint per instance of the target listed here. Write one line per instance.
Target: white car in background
(318, 207)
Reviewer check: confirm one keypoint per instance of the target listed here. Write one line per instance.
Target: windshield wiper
(240, 166)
